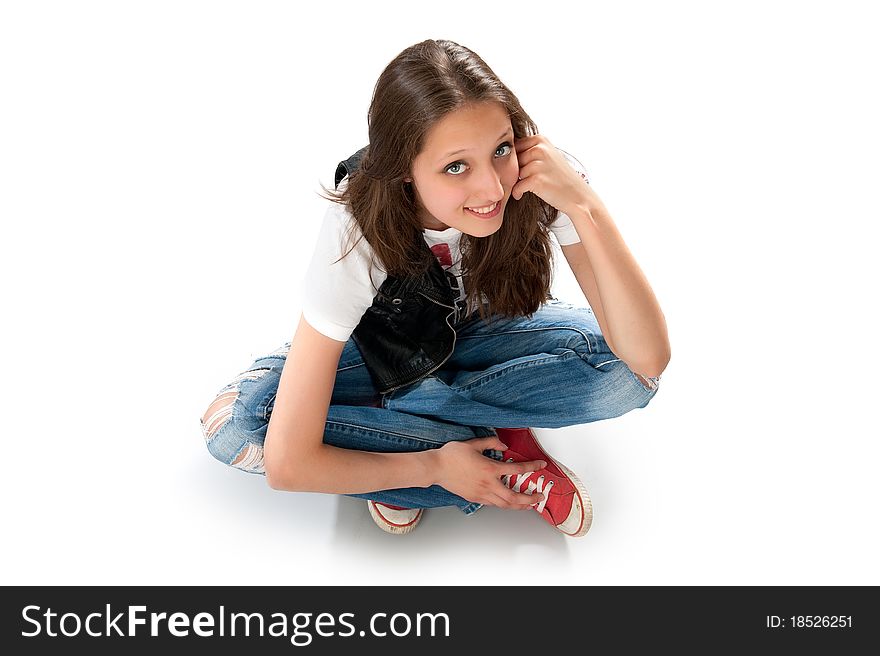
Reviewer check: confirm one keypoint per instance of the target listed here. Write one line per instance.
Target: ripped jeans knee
(234, 425)
(650, 383)
(623, 390)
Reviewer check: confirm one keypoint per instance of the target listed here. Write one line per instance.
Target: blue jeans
(548, 371)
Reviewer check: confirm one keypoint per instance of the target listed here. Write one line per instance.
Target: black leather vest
(409, 330)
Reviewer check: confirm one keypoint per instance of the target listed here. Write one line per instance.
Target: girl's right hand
(464, 470)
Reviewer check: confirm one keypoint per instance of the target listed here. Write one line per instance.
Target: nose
(489, 188)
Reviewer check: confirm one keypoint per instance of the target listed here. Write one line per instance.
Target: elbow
(658, 366)
(290, 469)
(280, 475)
(276, 478)
(276, 481)
(651, 367)
(284, 480)
(648, 372)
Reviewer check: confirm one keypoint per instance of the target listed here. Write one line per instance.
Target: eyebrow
(456, 152)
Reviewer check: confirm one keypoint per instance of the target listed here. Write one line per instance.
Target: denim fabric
(551, 370)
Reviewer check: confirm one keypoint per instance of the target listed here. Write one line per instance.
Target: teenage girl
(455, 177)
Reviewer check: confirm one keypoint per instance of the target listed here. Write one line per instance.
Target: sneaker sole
(396, 529)
(586, 503)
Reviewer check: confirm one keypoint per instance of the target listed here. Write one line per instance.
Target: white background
(159, 170)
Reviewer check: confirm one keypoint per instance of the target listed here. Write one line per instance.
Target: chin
(488, 229)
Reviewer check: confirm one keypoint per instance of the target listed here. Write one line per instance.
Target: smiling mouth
(483, 210)
(486, 212)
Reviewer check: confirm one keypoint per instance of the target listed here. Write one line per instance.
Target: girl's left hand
(544, 171)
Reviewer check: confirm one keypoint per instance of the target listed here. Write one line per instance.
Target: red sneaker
(566, 505)
(394, 519)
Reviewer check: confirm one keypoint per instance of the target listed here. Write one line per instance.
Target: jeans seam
(377, 431)
(583, 334)
(486, 378)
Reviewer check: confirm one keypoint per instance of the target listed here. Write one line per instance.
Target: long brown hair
(511, 269)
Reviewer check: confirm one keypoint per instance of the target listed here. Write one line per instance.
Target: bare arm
(622, 300)
(624, 304)
(297, 459)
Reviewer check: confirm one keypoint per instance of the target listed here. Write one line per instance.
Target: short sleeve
(562, 227)
(335, 294)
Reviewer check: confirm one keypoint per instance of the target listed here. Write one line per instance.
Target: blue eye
(506, 144)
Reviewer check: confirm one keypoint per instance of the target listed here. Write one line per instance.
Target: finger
(519, 500)
(526, 171)
(495, 500)
(490, 442)
(525, 156)
(529, 168)
(521, 467)
(524, 143)
(520, 189)
(505, 503)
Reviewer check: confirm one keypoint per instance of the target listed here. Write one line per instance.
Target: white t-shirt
(336, 294)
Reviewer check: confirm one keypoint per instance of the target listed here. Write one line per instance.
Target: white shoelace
(531, 488)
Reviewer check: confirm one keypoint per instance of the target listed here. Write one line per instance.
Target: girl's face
(468, 162)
